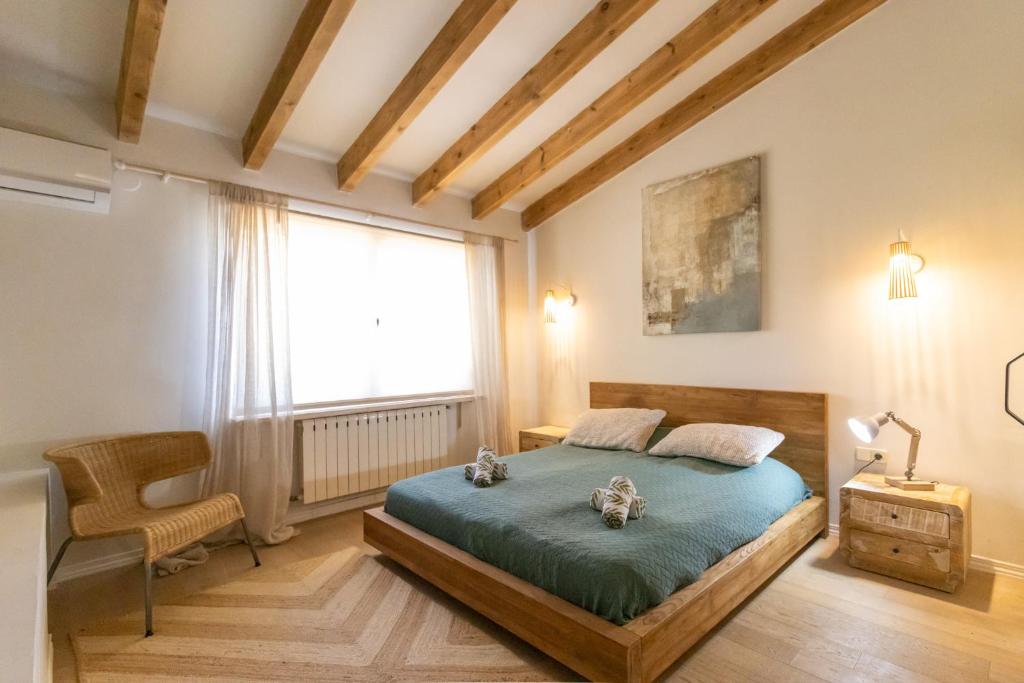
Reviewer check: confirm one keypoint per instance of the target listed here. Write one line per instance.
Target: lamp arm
(915, 441)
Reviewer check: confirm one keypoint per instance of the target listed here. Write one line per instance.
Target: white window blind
(375, 313)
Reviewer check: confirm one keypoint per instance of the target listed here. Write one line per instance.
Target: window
(375, 313)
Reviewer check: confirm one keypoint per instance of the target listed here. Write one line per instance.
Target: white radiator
(345, 454)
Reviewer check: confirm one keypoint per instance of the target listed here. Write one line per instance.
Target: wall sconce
(555, 308)
(903, 265)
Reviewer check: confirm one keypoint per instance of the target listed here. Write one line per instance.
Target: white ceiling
(215, 58)
(64, 45)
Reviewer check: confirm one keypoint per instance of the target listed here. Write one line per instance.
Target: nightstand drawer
(529, 443)
(870, 546)
(918, 520)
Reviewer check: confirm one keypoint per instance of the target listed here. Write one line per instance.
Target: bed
(619, 605)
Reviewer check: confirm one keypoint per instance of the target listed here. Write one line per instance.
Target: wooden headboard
(803, 418)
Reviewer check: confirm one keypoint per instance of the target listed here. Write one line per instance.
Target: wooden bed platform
(640, 650)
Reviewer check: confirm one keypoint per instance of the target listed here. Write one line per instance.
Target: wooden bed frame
(640, 650)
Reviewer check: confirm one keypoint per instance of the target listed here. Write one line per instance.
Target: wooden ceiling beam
(702, 35)
(471, 22)
(314, 33)
(814, 28)
(138, 57)
(594, 32)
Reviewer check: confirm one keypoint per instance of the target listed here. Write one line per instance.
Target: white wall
(912, 118)
(104, 326)
(104, 316)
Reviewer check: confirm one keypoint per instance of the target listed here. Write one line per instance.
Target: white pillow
(619, 429)
(732, 444)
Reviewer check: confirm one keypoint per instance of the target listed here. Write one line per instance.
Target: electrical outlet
(866, 454)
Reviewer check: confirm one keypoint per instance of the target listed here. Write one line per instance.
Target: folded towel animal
(636, 506)
(617, 502)
(486, 469)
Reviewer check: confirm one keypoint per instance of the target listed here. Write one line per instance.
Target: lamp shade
(550, 306)
(866, 428)
(901, 271)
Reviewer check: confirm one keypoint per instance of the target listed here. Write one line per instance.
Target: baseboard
(990, 566)
(978, 563)
(69, 571)
(300, 512)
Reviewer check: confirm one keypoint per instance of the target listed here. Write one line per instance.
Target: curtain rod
(164, 175)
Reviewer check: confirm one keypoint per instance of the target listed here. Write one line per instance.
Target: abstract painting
(702, 251)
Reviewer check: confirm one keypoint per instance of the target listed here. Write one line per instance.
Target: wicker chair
(104, 481)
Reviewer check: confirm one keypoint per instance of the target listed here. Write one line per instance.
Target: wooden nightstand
(918, 536)
(540, 437)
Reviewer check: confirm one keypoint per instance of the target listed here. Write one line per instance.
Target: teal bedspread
(538, 524)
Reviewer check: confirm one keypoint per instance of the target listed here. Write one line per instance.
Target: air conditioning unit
(43, 170)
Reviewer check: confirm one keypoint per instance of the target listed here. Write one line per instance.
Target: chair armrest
(80, 485)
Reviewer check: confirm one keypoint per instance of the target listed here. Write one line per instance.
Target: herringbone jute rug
(345, 616)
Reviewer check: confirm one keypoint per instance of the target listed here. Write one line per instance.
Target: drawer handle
(896, 551)
(894, 516)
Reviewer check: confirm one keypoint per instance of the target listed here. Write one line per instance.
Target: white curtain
(485, 274)
(248, 412)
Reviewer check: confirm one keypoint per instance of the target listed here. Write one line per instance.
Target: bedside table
(540, 437)
(919, 536)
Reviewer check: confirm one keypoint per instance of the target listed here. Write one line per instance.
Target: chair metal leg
(248, 541)
(148, 568)
(57, 559)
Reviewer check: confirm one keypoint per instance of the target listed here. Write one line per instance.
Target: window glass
(375, 313)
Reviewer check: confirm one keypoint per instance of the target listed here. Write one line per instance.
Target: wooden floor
(817, 620)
